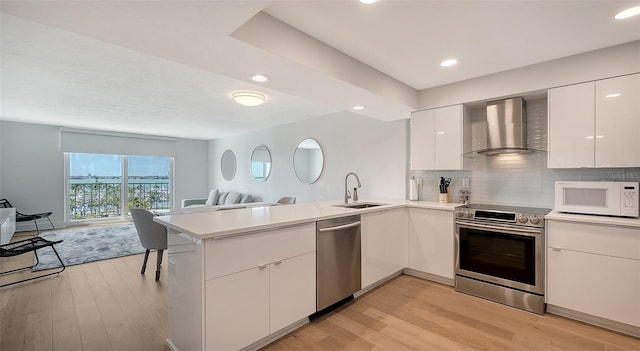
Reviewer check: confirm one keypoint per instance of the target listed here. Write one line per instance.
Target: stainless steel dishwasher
(338, 260)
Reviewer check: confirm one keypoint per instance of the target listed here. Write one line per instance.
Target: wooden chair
(21, 217)
(153, 236)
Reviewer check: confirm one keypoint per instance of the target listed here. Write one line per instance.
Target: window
(96, 185)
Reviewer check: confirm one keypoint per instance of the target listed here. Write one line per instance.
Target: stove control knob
(468, 214)
(522, 218)
(535, 219)
(459, 213)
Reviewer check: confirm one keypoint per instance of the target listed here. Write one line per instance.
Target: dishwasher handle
(340, 227)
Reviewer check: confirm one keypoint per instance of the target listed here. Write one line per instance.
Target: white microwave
(598, 198)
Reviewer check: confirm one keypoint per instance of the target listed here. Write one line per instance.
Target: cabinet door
(448, 138)
(293, 290)
(571, 126)
(599, 285)
(431, 238)
(422, 140)
(618, 122)
(237, 309)
(384, 244)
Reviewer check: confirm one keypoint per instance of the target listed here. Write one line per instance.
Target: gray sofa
(218, 198)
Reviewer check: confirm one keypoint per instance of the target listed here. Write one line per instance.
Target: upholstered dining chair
(153, 236)
(287, 200)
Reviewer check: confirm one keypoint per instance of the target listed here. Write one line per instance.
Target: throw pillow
(221, 198)
(213, 197)
(233, 198)
(245, 199)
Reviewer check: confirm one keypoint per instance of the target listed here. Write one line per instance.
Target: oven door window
(507, 256)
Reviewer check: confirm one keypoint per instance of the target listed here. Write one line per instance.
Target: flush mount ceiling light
(358, 107)
(249, 98)
(613, 95)
(630, 12)
(448, 62)
(368, 1)
(259, 78)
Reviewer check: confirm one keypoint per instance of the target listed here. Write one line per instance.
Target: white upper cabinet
(571, 126)
(595, 124)
(618, 122)
(436, 139)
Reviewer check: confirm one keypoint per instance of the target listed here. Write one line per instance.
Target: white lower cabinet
(292, 290)
(229, 293)
(431, 242)
(383, 244)
(237, 309)
(595, 270)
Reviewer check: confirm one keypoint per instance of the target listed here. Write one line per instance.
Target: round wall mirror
(228, 165)
(261, 163)
(308, 161)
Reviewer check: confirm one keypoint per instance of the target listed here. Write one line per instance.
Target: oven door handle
(510, 229)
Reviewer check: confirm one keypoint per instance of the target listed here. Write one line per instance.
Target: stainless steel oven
(500, 255)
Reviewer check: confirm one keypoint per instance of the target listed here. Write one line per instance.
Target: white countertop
(607, 220)
(218, 224)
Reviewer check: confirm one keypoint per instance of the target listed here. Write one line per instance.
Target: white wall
(610, 62)
(32, 169)
(375, 150)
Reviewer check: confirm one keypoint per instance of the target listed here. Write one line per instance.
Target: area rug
(89, 244)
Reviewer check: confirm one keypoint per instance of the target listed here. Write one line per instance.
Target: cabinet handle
(556, 248)
(277, 262)
(263, 266)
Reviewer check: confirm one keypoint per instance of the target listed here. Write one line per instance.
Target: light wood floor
(105, 305)
(108, 305)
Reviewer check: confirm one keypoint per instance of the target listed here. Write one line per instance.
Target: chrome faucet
(347, 195)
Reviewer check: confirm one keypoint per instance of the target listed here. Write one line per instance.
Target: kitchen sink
(360, 205)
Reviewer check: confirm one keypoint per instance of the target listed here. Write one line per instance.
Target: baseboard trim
(376, 284)
(170, 345)
(275, 336)
(429, 276)
(594, 320)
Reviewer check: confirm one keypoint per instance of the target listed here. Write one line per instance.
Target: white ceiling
(168, 67)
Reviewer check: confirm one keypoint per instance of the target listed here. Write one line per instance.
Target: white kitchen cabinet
(595, 124)
(292, 289)
(595, 270)
(618, 122)
(436, 139)
(228, 293)
(571, 126)
(431, 242)
(237, 309)
(384, 244)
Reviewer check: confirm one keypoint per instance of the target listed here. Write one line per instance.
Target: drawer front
(600, 239)
(230, 255)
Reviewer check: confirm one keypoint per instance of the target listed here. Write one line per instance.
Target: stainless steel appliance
(338, 273)
(598, 198)
(500, 254)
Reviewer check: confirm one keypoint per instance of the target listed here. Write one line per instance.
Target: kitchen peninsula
(239, 279)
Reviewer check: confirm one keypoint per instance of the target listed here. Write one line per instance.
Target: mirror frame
(270, 163)
(226, 156)
(294, 161)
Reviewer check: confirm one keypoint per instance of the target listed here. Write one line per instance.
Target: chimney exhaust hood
(506, 127)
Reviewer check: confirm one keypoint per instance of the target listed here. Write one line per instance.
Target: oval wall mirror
(308, 161)
(261, 163)
(228, 165)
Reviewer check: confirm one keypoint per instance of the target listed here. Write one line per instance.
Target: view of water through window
(96, 184)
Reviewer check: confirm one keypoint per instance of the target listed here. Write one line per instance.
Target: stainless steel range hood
(506, 127)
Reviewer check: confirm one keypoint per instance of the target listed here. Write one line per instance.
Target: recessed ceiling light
(368, 1)
(448, 62)
(613, 95)
(358, 107)
(259, 78)
(249, 98)
(630, 12)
